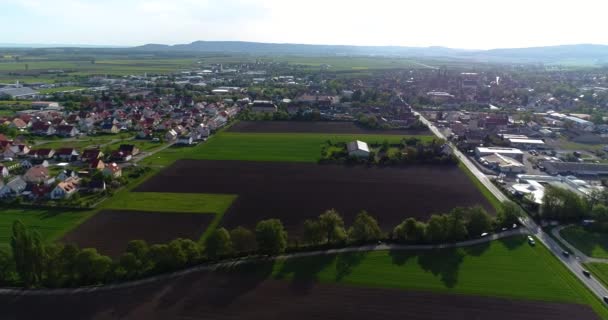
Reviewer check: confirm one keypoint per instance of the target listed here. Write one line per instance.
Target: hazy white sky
(471, 24)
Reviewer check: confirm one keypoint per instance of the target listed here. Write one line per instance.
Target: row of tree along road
(32, 263)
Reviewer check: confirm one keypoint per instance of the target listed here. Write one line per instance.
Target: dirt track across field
(109, 231)
(252, 296)
(328, 127)
(294, 192)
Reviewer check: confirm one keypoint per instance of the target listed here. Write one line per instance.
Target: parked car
(531, 241)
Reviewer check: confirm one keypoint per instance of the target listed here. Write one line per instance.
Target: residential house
(13, 188)
(37, 174)
(65, 189)
(89, 155)
(113, 170)
(185, 140)
(39, 191)
(129, 148)
(121, 156)
(66, 154)
(97, 185)
(45, 153)
(18, 123)
(66, 174)
(171, 135)
(16, 150)
(42, 128)
(203, 130)
(67, 131)
(110, 128)
(97, 164)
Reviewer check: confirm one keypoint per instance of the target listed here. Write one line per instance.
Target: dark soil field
(223, 296)
(329, 127)
(294, 192)
(110, 231)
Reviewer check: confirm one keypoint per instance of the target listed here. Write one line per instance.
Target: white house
(185, 140)
(358, 149)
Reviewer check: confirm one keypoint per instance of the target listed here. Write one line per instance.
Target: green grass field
(590, 243)
(50, 223)
(486, 193)
(170, 202)
(599, 270)
(291, 147)
(59, 89)
(507, 268)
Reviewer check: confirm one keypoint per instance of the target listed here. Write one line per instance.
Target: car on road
(587, 273)
(531, 241)
(605, 299)
(565, 253)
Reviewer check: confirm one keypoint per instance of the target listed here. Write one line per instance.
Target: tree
(28, 254)
(332, 225)
(436, 228)
(243, 240)
(508, 214)
(456, 229)
(7, 268)
(271, 236)
(92, 267)
(410, 230)
(313, 233)
(364, 228)
(191, 249)
(478, 221)
(159, 257)
(600, 212)
(218, 244)
(562, 204)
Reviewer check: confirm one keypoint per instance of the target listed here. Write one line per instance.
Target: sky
(466, 24)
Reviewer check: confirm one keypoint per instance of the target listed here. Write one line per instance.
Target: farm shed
(358, 148)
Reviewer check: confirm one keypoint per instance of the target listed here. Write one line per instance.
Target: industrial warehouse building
(508, 152)
(575, 168)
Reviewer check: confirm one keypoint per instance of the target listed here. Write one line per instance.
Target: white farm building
(358, 149)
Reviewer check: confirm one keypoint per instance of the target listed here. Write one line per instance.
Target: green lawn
(590, 243)
(486, 193)
(599, 270)
(170, 202)
(143, 145)
(291, 147)
(51, 223)
(507, 268)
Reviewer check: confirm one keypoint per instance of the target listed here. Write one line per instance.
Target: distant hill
(589, 53)
(289, 48)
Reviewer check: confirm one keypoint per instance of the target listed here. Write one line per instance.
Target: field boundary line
(245, 260)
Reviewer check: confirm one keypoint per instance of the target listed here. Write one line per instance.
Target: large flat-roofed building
(527, 143)
(509, 152)
(22, 92)
(576, 168)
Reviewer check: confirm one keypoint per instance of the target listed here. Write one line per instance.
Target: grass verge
(486, 193)
(592, 244)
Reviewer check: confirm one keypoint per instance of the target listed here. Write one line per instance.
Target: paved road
(571, 263)
(232, 263)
